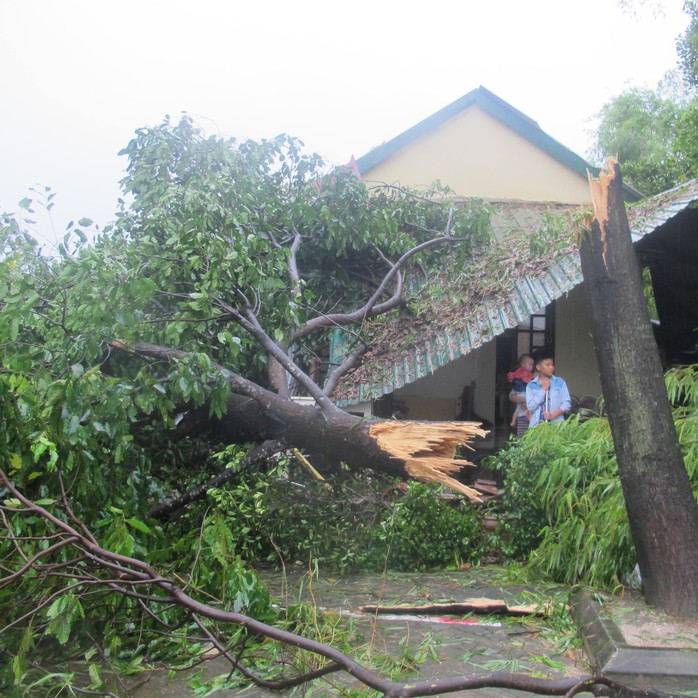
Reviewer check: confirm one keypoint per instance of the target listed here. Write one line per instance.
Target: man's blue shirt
(559, 397)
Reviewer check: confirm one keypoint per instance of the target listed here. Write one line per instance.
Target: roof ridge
(500, 109)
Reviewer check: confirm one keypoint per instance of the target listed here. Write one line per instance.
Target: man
(547, 396)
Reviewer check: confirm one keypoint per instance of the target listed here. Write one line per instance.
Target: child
(519, 378)
(547, 395)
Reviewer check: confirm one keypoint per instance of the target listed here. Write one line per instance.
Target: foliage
(587, 537)
(653, 131)
(422, 531)
(563, 503)
(687, 45)
(522, 520)
(362, 522)
(217, 233)
(640, 126)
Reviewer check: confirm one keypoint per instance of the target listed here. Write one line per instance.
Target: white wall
(436, 396)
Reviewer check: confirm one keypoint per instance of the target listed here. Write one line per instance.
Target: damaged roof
(502, 287)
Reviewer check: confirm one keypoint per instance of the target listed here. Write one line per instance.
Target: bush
(523, 519)
(422, 531)
(564, 508)
(362, 523)
(587, 538)
(563, 504)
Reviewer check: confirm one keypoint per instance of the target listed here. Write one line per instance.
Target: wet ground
(425, 647)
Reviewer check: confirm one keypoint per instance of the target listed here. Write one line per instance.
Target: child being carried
(519, 378)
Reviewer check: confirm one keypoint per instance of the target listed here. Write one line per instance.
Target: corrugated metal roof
(648, 215)
(441, 341)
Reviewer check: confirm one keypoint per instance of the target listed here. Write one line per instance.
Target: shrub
(363, 522)
(563, 503)
(422, 530)
(523, 519)
(587, 536)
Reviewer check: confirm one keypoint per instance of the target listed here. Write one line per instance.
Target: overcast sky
(78, 77)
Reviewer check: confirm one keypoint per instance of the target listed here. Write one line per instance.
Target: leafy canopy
(653, 131)
(214, 227)
(215, 230)
(653, 134)
(687, 45)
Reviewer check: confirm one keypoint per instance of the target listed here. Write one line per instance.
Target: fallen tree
(131, 358)
(424, 451)
(70, 553)
(190, 322)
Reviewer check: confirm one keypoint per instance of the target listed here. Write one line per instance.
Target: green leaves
(61, 614)
(563, 501)
(217, 230)
(687, 45)
(652, 133)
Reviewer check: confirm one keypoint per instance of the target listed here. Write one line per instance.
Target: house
(449, 362)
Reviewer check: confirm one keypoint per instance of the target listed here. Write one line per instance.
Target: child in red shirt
(519, 378)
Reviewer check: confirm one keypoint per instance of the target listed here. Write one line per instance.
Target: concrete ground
(623, 639)
(426, 647)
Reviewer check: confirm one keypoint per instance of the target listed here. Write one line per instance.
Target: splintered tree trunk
(423, 451)
(661, 508)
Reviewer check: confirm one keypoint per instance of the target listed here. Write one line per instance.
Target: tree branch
(134, 572)
(349, 362)
(248, 321)
(262, 452)
(371, 308)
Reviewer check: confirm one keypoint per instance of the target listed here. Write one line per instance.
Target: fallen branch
(258, 454)
(480, 606)
(138, 580)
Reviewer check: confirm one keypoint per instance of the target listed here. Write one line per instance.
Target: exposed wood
(661, 509)
(422, 451)
(309, 467)
(428, 449)
(480, 605)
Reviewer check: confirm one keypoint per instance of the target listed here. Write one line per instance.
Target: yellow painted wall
(575, 359)
(477, 155)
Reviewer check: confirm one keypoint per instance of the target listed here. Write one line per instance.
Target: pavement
(636, 645)
(415, 647)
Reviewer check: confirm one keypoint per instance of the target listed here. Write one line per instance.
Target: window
(537, 332)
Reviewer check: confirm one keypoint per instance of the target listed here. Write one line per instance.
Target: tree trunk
(422, 451)
(662, 511)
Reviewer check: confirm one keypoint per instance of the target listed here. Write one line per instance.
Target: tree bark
(661, 509)
(422, 451)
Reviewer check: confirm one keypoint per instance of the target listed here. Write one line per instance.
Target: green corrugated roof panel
(649, 214)
(528, 295)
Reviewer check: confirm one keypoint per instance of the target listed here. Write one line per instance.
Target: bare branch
(371, 308)
(248, 321)
(349, 362)
(293, 262)
(136, 573)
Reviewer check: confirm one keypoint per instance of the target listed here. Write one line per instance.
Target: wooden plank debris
(480, 605)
